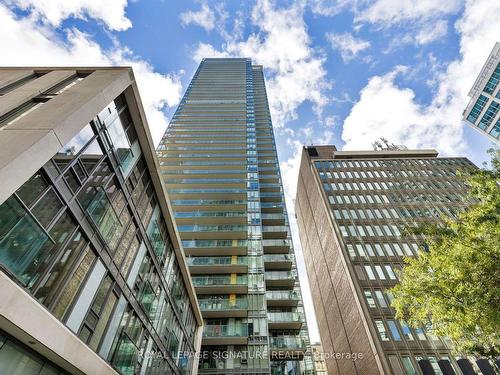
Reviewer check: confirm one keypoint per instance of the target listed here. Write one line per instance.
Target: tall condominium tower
(219, 163)
(92, 275)
(351, 208)
(483, 113)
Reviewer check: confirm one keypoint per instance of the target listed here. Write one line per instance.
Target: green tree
(453, 286)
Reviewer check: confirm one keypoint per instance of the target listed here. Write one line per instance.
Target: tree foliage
(454, 284)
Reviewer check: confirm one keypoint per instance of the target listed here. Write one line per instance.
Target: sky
(343, 72)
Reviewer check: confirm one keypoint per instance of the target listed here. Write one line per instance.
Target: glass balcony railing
(273, 216)
(277, 258)
(281, 295)
(219, 330)
(189, 244)
(217, 261)
(274, 228)
(194, 214)
(223, 304)
(212, 228)
(219, 280)
(280, 275)
(270, 195)
(272, 205)
(287, 342)
(279, 317)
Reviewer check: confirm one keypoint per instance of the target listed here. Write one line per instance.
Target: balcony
(282, 298)
(270, 207)
(284, 320)
(225, 334)
(211, 217)
(275, 232)
(215, 247)
(273, 219)
(224, 307)
(269, 187)
(196, 231)
(221, 284)
(282, 279)
(271, 197)
(291, 346)
(276, 246)
(223, 264)
(278, 262)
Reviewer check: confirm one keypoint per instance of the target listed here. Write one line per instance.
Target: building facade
(351, 209)
(219, 163)
(319, 359)
(93, 278)
(482, 112)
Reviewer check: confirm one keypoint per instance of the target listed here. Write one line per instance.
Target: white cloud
(329, 7)
(348, 45)
(111, 13)
(294, 70)
(205, 17)
(26, 42)
(387, 12)
(431, 32)
(384, 109)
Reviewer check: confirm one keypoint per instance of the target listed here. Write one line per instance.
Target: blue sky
(341, 72)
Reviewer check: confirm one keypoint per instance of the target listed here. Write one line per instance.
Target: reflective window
(381, 330)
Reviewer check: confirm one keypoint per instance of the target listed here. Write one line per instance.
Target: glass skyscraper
(483, 111)
(92, 275)
(218, 160)
(352, 208)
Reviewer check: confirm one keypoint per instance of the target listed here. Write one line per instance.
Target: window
(20, 82)
(343, 230)
(350, 250)
(420, 334)
(380, 298)
(369, 299)
(390, 272)
(492, 83)
(408, 366)
(381, 330)
(360, 250)
(369, 272)
(380, 272)
(23, 110)
(489, 115)
(406, 330)
(29, 239)
(394, 330)
(477, 109)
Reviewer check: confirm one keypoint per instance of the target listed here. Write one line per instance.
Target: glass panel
(74, 284)
(91, 156)
(105, 218)
(46, 292)
(124, 358)
(47, 208)
(14, 360)
(406, 330)
(410, 370)
(23, 247)
(369, 299)
(394, 330)
(32, 189)
(381, 330)
(73, 147)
